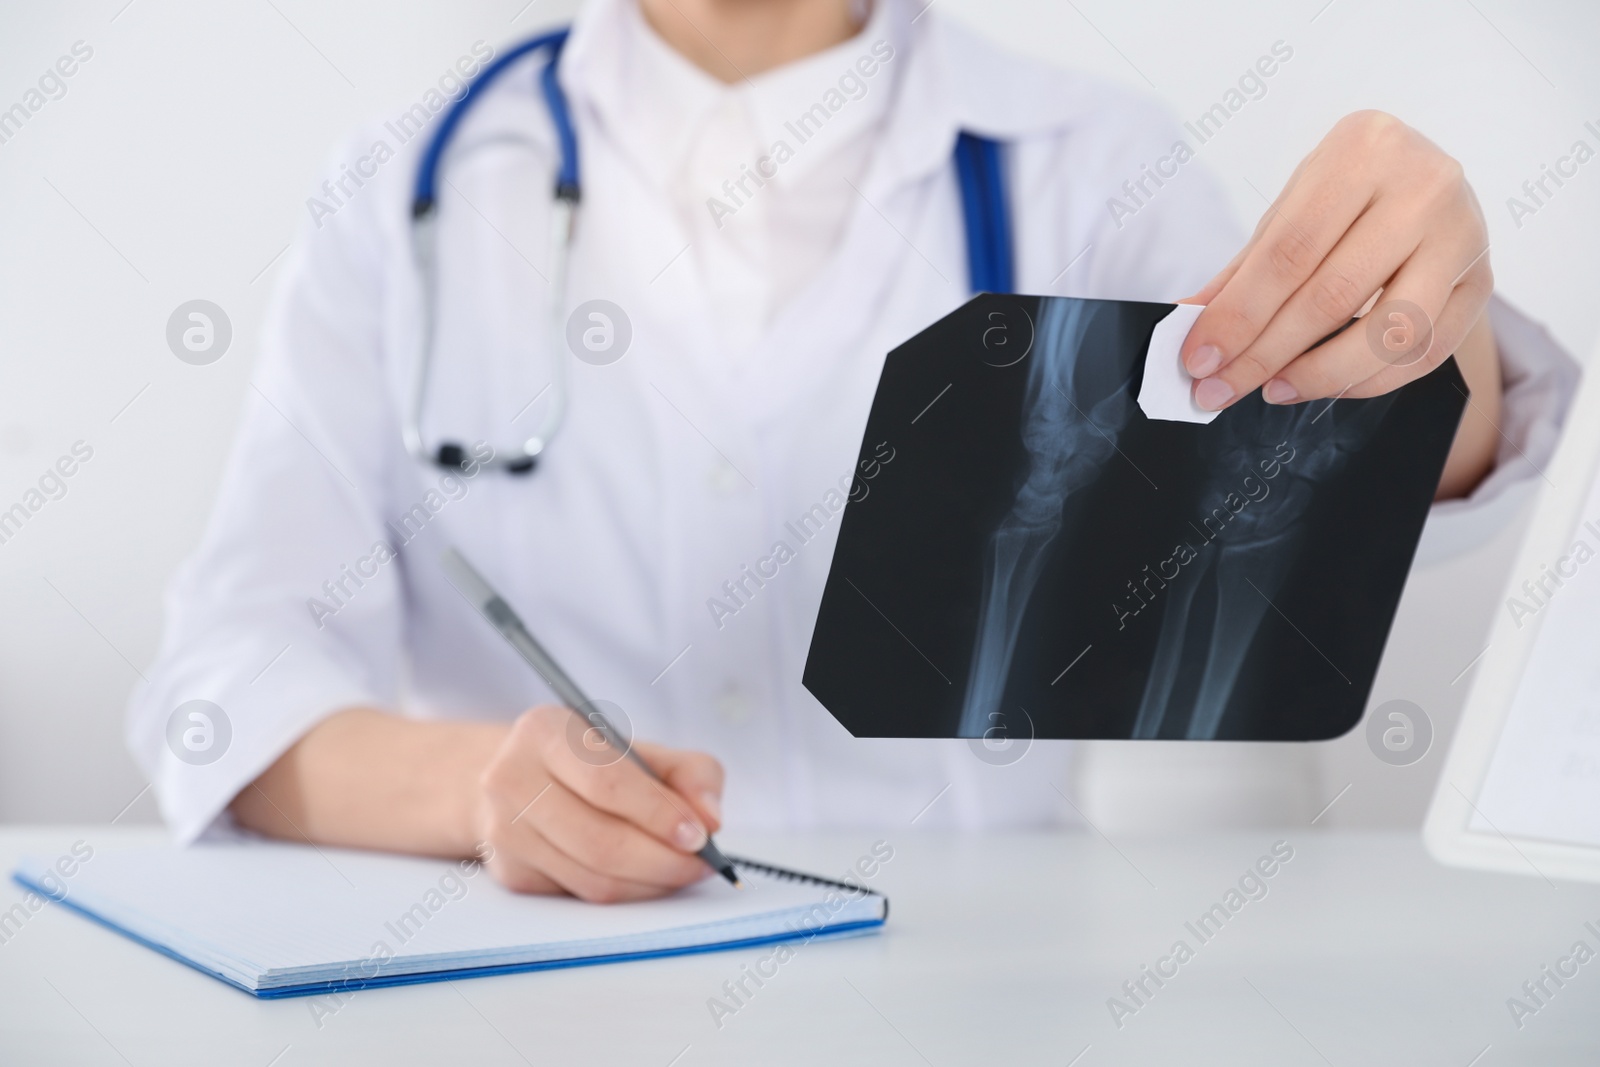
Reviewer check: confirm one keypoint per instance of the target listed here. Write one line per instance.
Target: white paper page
(264, 908)
(1544, 777)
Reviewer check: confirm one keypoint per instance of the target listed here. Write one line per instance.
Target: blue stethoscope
(984, 209)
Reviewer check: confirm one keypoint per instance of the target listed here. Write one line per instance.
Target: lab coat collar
(948, 79)
(641, 94)
(955, 80)
(650, 101)
(779, 97)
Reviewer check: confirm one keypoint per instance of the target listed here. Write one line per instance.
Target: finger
(531, 860)
(695, 776)
(1208, 292)
(1393, 343)
(1363, 260)
(607, 845)
(1463, 309)
(1297, 237)
(520, 876)
(607, 780)
(513, 858)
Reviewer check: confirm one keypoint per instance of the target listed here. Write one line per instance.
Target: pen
(492, 606)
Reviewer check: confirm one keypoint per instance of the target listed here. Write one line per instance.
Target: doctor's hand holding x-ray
(1376, 206)
(614, 543)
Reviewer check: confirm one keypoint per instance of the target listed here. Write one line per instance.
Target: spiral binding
(787, 875)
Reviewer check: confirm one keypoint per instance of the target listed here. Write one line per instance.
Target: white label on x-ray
(1167, 391)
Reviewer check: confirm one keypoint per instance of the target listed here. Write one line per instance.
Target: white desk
(998, 950)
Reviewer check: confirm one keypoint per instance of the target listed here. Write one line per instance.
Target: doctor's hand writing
(547, 812)
(1375, 206)
(565, 816)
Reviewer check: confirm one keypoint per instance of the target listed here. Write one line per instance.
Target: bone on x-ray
(1067, 547)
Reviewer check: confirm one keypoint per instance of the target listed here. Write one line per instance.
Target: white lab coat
(674, 470)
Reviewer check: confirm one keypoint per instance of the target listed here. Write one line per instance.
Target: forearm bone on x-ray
(1075, 406)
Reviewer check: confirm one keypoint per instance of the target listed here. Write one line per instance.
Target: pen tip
(733, 878)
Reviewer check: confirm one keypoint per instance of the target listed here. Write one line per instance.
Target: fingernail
(712, 804)
(1279, 391)
(1212, 393)
(1205, 360)
(689, 837)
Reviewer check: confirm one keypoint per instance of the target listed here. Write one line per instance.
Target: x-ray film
(1043, 559)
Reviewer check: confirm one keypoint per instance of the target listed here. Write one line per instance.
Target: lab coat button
(725, 478)
(733, 705)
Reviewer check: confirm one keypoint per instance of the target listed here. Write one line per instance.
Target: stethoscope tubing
(424, 222)
(985, 215)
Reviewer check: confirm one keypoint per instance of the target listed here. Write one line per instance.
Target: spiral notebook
(281, 920)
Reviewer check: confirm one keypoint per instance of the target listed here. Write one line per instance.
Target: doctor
(756, 268)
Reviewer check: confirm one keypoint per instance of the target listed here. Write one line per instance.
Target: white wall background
(177, 164)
